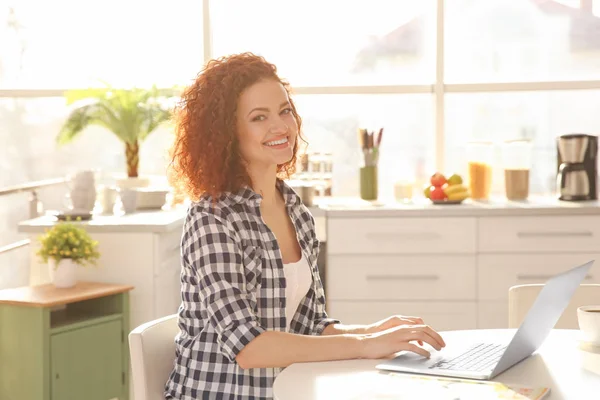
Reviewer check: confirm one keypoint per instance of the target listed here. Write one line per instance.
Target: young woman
(252, 299)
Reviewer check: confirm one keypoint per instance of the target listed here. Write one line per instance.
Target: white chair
(521, 298)
(152, 350)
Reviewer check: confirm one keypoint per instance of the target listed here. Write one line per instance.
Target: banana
(454, 189)
(461, 195)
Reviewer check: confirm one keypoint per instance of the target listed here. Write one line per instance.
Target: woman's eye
(286, 111)
(259, 118)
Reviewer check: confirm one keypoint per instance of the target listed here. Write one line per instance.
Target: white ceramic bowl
(151, 198)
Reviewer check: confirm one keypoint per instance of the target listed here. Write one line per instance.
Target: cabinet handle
(541, 277)
(403, 277)
(380, 236)
(57, 376)
(555, 234)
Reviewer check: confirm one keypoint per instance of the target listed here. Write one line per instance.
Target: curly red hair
(205, 154)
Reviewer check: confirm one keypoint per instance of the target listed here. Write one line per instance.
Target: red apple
(437, 194)
(438, 180)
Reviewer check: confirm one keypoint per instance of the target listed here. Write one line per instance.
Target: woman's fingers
(415, 320)
(435, 335)
(415, 349)
(424, 333)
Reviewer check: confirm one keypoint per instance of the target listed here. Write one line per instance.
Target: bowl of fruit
(446, 191)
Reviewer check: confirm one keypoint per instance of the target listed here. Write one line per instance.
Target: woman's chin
(282, 157)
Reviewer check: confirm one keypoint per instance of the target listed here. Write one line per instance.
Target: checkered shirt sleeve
(216, 259)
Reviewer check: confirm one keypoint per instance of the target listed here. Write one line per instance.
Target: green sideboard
(64, 344)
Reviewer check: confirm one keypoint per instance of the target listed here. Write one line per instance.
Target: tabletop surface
(48, 295)
(563, 363)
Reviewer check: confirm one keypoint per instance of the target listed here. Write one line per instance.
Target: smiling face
(266, 127)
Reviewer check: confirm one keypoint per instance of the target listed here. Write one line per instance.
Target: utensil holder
(368, 182)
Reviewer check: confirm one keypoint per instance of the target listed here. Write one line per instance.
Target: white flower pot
(63, 274)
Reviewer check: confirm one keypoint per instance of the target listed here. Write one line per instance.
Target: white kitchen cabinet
(492, 314)
(377, 267)
(440, 315)
(140, 249)
(454, 270)
(498, 272)
(402, 277)
(542, 234)
(401, 235)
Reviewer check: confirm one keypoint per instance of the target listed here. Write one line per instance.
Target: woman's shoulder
(209, 210)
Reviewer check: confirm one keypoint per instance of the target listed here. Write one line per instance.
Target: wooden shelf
(48, 295)
(64, 320)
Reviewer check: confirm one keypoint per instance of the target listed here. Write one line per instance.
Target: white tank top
(298, 280)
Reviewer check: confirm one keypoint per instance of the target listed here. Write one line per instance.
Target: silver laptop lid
(542, 316)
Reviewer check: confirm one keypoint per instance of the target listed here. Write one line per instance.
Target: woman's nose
(279, 126)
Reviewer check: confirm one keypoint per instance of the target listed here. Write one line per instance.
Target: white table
(561, 364)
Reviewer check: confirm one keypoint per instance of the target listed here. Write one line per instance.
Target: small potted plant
(63, 247)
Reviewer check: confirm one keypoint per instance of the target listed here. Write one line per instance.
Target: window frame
(438, 89)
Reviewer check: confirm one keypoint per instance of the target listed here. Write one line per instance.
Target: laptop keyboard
(480, 357)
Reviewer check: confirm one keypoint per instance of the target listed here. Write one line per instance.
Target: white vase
(63, 274)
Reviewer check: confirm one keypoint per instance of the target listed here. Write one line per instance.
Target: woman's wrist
(339, 329)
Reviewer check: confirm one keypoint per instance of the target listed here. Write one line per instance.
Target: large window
(62, 44)
(333, 42)
(521, 40)
(435, 74)
(495, 70)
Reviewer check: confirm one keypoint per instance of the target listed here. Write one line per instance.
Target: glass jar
(480, 156)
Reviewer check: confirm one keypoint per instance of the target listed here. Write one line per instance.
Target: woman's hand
(392, 322)
(385, 343)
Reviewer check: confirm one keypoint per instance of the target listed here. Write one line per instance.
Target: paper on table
(403, 387)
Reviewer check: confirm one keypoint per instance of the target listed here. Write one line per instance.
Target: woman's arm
(280, 349)
(341, 329)
(379, 326)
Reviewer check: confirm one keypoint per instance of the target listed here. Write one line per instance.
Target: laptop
(486, 360)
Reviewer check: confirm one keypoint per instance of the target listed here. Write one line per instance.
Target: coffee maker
(577, 174)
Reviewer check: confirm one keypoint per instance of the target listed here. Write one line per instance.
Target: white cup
(108, 197)
(589, 323)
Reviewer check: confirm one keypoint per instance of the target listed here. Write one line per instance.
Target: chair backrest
(152, 350)
(521, 298)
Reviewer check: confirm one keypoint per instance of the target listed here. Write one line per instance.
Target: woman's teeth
(276, 142)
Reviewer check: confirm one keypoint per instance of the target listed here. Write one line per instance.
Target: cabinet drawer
(441, 316)
(497, 273)
(410, 277)
(401, 235)
(492, 315)
(539, 234)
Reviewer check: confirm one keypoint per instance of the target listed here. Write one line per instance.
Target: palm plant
(131, 114)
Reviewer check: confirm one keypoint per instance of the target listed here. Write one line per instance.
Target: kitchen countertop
(357, 208)
(338, 207)
(144, 221)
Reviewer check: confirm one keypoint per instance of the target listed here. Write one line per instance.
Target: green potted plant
(131, 114)
(63, 247)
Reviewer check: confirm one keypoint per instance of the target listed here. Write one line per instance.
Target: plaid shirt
(233, 289)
